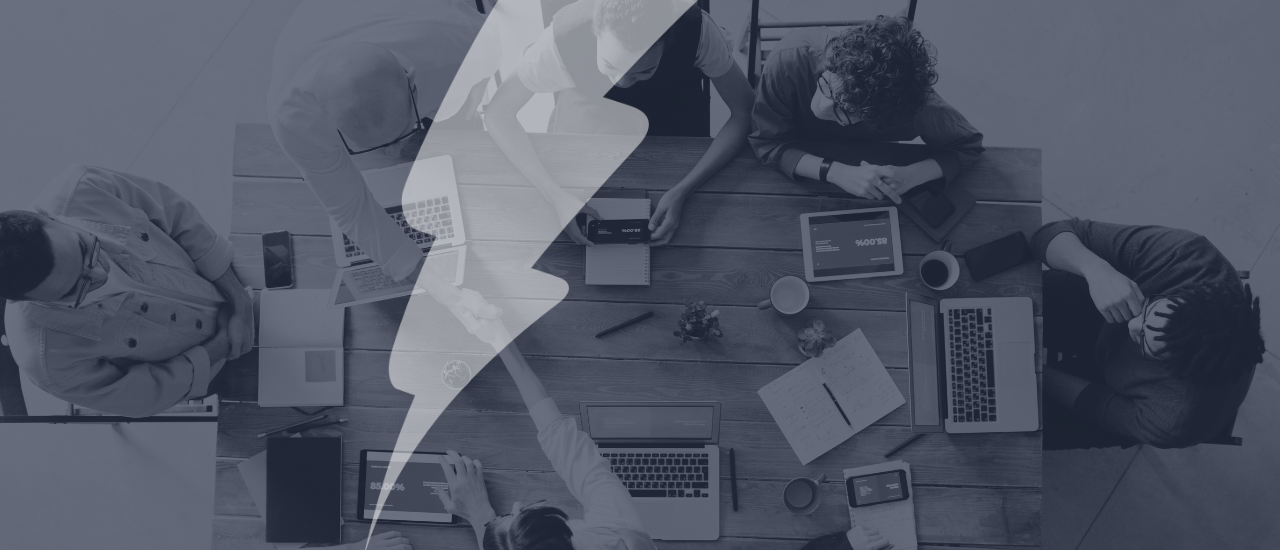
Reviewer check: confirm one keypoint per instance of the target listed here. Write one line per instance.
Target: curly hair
(634, 22)
(885, 70)
(535, 529)
(1213, 333)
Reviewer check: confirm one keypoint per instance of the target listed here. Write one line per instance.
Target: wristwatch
(823, 169)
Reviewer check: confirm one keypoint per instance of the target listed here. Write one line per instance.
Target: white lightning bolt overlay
(510, 223)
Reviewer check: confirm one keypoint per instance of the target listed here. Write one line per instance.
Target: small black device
(934, 208)
(277, 259)
(872, 489)
(304, 489)
(412, 497)
(998, 255)
(618, 231)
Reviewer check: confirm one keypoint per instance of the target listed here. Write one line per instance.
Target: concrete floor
(1146, 111)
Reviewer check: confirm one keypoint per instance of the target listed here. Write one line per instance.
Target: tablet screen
(413, 494)
(852, 244)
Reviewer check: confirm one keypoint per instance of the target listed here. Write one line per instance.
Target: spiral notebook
(618, 264)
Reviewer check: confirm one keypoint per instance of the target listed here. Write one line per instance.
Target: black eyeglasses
(86, 275)
(529, 506)
(1142, 331)
(825, 88)
(420, 125)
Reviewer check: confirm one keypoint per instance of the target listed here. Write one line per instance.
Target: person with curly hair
(872, 82)
(1159, 336)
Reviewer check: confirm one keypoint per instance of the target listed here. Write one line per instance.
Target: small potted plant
(815, 339)
(695, 323)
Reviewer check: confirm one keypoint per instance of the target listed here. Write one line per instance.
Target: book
(304, 489)
(896, 521)
(618, 264)
(300, 359)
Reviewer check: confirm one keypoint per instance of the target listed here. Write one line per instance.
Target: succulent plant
(695, 323)
(815, 339)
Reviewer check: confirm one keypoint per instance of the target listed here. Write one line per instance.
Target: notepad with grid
(618, 264)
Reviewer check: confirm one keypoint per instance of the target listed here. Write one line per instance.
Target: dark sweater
(1140, 399)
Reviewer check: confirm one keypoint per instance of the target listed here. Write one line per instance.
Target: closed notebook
(304, 489)
(618, 264)
(300, 360)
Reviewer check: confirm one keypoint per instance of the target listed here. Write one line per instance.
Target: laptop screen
(924, 362)
(648, 422)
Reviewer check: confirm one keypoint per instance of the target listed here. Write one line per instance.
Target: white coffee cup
(788, 296)
(930, 272)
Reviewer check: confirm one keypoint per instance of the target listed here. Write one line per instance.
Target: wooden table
(739, 234)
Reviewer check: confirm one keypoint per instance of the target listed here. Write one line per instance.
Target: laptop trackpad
(656, 515)
(1015, 356)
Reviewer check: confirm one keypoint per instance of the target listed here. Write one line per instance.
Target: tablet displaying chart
(412, 497)
(851, 244)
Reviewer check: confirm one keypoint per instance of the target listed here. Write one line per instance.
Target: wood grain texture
(1000, 174)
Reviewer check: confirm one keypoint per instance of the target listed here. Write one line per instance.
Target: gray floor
(1146, 111)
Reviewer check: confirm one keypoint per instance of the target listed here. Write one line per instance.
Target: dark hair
(885, 69)
(541, 528)
(1213, 333)
(26, 255)
(834, 541)
(630, 20)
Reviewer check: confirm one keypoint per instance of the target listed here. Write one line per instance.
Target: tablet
(851, 244)
(412, 497)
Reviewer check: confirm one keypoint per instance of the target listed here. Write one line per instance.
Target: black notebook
(304, 484)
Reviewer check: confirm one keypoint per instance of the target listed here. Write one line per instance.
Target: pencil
(338, 421)
(838, 407)
(625, 324)
(294, 425)
(903, 444)
(733, 479)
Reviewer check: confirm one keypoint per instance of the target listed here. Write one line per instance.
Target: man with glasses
(872, 82)
(1158, 336)
(122, 298)
(368, 79)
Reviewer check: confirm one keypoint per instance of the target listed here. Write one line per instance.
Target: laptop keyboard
(423, 221)
(973, 379)
(372, 279)
(662, 474)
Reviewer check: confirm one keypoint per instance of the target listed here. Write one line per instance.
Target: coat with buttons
(133, 353)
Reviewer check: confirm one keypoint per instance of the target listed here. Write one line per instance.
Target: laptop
(972, 364)
(665, 453)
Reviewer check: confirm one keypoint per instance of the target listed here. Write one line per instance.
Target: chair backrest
(760, 40)
(11, 401)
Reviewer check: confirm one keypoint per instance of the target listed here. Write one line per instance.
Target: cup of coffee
(802, 496)
(939, 269)
(789, 295)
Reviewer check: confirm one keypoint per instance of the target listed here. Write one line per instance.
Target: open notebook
(619, 264)
(299, 350)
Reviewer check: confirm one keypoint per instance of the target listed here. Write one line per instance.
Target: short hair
(1213, 333)
(632, 21)
(885, 69)
(26, 254)
(542, 528)
(834, 541)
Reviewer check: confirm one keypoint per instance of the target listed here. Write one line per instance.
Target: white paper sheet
(806, 413)
(300, 357)
(618, 264)
(896, 521)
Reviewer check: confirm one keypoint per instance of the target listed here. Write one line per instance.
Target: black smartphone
(618, 231)
(277, 259)
(998, 255)
(872, 489)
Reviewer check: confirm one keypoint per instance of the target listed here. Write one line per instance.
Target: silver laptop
(972, 365)
(666, 455)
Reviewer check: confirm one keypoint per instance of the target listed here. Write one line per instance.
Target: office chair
(757, 53)
(11, 401)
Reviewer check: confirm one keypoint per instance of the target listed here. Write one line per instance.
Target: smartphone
(618, 231)
(998, 255)
(872, 489)
(277, 259)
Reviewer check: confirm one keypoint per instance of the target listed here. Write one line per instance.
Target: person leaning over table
(589, 47)
(1166, 334)
(121, 297)
(872, 82)
(610, 519)
(363, 78)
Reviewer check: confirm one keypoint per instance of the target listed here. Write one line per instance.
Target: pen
(338, 421)
(733, 479)
(625, 324)
(838, 407)
(903, 444)
(294, 425)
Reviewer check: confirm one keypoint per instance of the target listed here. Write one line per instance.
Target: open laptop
(666, 455)
(972, 365)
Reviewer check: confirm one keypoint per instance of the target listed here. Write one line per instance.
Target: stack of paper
(300, 360)
(619, 264)
(896, 521)
(828, 399)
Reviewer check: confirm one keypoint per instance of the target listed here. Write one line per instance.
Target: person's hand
(567, 208)
(1117, 297)
(467, 497)
(390, 540)
(219, 347)
(867, 539)
(866, 180)
(481, 319)
(239, 325)
(666, 218)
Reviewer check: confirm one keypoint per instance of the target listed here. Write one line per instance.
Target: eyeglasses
(420, 125)
(825, 88)
(86, 275)
(1142, 330)
(529, 506)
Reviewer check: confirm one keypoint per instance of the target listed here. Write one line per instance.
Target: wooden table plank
(1000, 174)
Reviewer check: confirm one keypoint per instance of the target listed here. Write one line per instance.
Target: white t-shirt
(430, 38)
(543, 71)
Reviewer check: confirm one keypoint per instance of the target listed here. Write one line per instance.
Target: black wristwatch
(823, 169)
